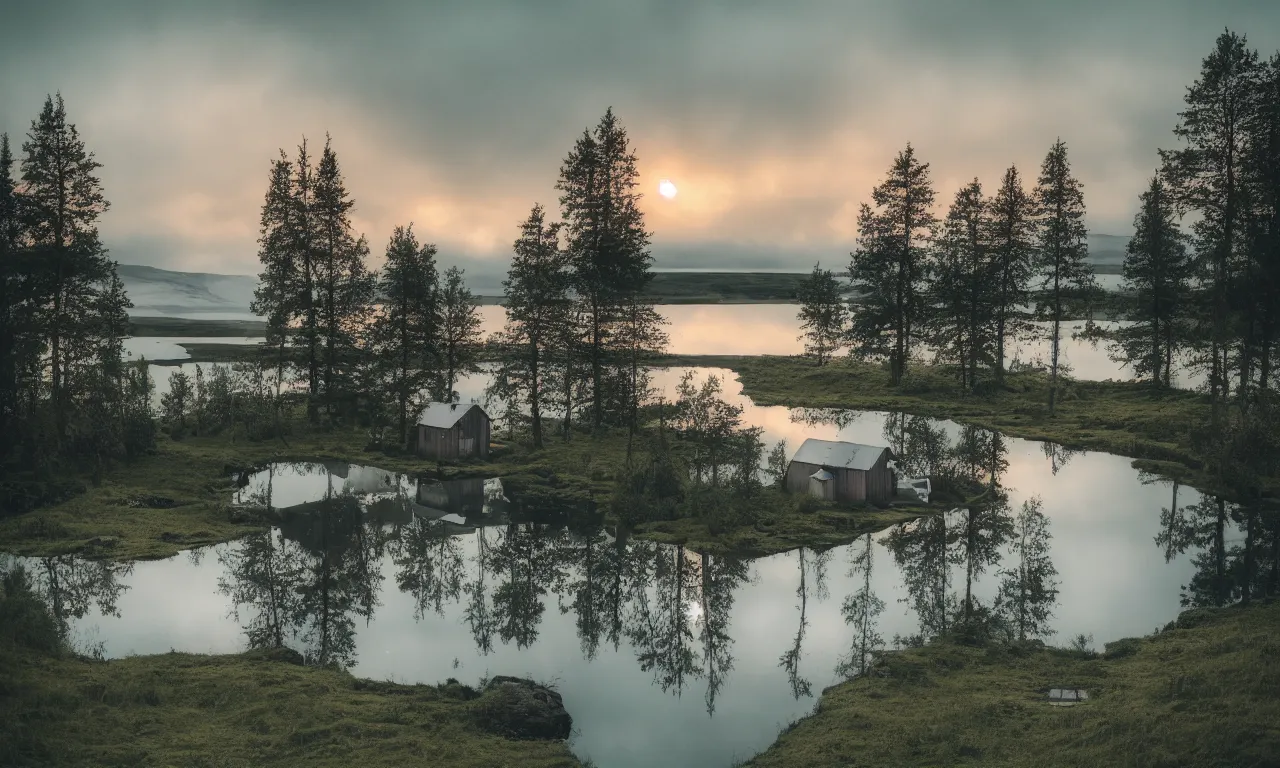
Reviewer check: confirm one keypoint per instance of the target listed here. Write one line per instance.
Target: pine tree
(1013, 255)
(1205, 176)
(277, 296)
(344, 284)
(607, 241)
(962, 295)
(823, 315)
(1157, 273)
(1262, 179)
(404, 332)
(303, 235)
(1062, 249)
(62, 200)
(459, 334)
(639, 336)
(12, 304)
(891, 263)
(537, 291)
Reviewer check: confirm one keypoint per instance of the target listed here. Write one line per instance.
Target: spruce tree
(1013, 255)
(1062, 249)
(303, 235)
(606, 239)
(1206, 177)
(404, 332)
(458, 342)
(1157, 273)
(537, 291)
(277, 296)
(1262, 179)
(62, 200)
(891, 263)
(344, 284)
(823, 315)
(639, 336)
(962, 291)
(12, 303)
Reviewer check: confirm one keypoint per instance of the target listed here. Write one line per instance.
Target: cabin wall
(881, 484)
(797, 480)
(469, 437)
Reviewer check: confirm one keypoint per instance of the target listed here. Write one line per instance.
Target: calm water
(730, 329)
(664, 657)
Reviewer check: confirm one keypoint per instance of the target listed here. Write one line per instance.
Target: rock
(522, 709)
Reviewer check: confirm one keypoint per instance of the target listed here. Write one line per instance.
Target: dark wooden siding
(876, 485)
(466, 439)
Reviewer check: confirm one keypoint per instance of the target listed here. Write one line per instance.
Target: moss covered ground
(180, 497)
(1205, 692)
(238, 711)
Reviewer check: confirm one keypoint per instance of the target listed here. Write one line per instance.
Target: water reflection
(366, 568)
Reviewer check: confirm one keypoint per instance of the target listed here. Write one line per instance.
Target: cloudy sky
(773, 119)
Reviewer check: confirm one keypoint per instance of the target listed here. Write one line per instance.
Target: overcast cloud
(774, 119)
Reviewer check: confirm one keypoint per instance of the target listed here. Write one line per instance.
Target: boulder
(522, 709)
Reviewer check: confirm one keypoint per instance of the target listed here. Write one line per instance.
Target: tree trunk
(535, 390)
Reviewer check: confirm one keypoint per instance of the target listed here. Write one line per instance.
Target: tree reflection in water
(860, 611)
(813, 576)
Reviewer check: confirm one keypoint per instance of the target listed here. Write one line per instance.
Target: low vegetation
(1200, 692)
(248, 709)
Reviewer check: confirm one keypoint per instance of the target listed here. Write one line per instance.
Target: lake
(664, 657)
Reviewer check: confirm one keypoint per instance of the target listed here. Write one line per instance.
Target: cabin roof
(445, 415)
(832, 453)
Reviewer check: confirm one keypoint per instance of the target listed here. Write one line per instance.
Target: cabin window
(466, 444)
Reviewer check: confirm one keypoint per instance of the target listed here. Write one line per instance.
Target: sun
(666, 189)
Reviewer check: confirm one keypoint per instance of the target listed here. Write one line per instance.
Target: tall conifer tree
(1013, 255)
(1062, 249)
(891, 263)
(1156, 272)
(404, 332)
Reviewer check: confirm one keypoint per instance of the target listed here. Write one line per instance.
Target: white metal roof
(445, 415)
(831, 453)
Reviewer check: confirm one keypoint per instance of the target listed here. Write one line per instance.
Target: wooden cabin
(453, 431)
(838, 471)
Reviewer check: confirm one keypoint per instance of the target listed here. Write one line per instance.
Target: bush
(1124, 647)
(807, 505)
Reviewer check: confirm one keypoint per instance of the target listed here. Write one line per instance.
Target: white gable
(445, 415)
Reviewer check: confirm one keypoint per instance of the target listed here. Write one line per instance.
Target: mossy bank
(1203, 692)
(180, 497)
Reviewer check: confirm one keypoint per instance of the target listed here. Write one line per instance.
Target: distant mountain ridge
(156, 291)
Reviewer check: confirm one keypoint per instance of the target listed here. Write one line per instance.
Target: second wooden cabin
(453, 431)
(838, 471)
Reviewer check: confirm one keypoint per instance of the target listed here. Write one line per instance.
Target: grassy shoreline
(1124, 418)
(1201, 692)
(180, 498)
(244, 709)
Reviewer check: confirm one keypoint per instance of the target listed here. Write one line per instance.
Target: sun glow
(666, 189)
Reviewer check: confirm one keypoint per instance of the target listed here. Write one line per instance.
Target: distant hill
(161, 291)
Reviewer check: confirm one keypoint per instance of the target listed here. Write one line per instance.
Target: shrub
(1124, 647)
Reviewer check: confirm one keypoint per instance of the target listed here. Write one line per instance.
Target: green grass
(1203, 695)
(248, 709)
